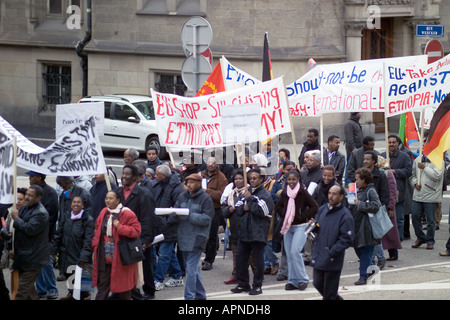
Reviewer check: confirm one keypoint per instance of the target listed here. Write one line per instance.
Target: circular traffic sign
(434, 50)
(196, 35)
(195, 71)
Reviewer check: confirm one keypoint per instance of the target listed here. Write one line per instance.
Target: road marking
(278, 289)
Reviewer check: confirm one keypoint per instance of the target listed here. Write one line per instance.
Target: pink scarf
(290, 210)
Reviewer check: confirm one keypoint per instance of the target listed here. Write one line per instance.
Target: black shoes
(360, 282)
(239, 289)
(253, 292)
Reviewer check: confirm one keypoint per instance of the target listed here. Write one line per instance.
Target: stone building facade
(136, 45)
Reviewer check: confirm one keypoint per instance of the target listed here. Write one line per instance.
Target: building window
(54, 6)
(170, 84)
(173, 7)
(57, 88)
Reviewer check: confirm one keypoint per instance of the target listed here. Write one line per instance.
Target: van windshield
(146, 109)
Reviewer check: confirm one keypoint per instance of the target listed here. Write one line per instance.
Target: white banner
(70, 114)
(7, 172)
(197, 121)
(416, 88)
(355, 86)
(76, 153)
(235, 78)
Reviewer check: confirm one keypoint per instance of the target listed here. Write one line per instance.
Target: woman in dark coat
(367, 202)
(73, 239)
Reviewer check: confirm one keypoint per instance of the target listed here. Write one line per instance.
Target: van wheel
(154, 141)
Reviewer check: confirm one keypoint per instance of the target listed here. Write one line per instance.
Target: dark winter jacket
(141, 203)
(313, 174)
(65, 204)
(402, 164)
(31, 249)
(307, 147)
(256, 221)
(368, 202)
(380, 184)
(353, 134)
(305, 206)
(235, 219)
(193, 230)
(73, 240)
(165, 194)
(98, 193)
(50, 201)
(334, 235)
(337, 161)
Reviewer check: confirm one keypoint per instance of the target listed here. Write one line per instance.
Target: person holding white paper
(166, 190)
(193, 232)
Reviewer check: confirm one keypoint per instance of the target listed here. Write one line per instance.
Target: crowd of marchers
(275, 223)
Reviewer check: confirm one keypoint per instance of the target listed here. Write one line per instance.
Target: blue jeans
(167, 260)
(400, 216)
(193, 288)
(294, 240)
(378, 251)
(347, 180)
(365, 260)
(46, 281)
(418, 210)
(270, 258)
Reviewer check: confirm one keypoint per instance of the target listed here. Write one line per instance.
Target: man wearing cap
(46, 281)
(193, 232)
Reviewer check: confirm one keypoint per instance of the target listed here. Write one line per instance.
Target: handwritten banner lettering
(197, 121)
(344, 87)
(7, 172)
(78, 152)
(416, 88)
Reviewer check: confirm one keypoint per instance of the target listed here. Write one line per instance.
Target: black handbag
(131, 250)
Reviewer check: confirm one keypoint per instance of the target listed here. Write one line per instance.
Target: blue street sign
(429, 30)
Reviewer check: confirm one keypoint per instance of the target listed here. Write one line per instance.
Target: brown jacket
(216, 184)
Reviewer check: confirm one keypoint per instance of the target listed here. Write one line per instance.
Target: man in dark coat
(46, 282)
(353, 138)
(139, 200)
(165, 191)
(401, 166)
(31, 249)
(334, 236)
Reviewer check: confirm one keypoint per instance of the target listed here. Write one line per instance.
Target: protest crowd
(281, 215)
(157, 226)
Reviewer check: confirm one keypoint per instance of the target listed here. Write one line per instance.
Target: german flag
(438, 140)
(214, 83)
